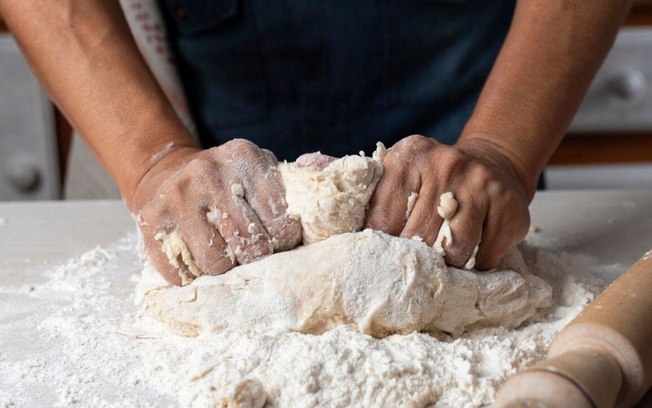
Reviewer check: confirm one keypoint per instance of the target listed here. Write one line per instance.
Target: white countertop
(614, 226)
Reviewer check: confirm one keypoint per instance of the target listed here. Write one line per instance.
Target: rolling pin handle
(585, 377)
(540, 389)
(603, 357)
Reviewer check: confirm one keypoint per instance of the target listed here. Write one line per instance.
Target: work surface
(614, 226)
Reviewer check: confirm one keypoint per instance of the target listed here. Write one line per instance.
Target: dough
(327, 201)
(179, 256)
(333, 200)
(371, 281)
(446, 209)
(412, 201)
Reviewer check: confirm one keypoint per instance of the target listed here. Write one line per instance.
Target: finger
(389, 203)
(207, 247)
(241, 228)
(265, 193)
(466, 229)
(424, 221)
(153, 247)
(500, 234)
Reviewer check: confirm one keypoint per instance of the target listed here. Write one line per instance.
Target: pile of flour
(104, 354)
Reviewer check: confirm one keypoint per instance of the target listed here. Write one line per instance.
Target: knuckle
(271, 157)
(484, 177)
(170, 194)
(155, 217)
(456, 155)
(241, 146)
(452, 164)
(496, 192)
(411, 143)
(396, 168)
(198, 166)
(418, 141)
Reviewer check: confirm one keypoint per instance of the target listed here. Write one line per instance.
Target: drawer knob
(629, 84)
(23, 175)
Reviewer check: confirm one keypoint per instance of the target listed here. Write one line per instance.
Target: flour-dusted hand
(492, 202)
(205, 211)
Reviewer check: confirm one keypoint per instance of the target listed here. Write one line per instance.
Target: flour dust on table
(350, 319)
(104, 354)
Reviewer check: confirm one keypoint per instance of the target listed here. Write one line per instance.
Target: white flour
(103, 354)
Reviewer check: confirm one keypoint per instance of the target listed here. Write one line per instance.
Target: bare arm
(552, 51)
(83, 54)
(550, 56)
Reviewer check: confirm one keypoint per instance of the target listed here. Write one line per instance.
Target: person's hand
(226, 203)
(492, 200)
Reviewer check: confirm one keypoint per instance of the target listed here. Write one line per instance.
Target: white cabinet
(620, 97)
(28, 145)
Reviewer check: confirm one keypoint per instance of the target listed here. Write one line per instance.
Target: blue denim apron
(297, 76)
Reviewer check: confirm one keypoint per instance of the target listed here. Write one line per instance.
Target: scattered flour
(102, 354)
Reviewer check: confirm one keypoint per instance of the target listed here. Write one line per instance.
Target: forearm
(84, 56)
(549, 58)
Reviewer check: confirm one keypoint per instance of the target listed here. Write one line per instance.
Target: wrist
(485, 148)
(152, 171)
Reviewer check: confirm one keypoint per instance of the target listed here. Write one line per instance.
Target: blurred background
(609, 144)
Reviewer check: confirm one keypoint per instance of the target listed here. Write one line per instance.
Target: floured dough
(371, 281)
(333, 200)
(177, 252)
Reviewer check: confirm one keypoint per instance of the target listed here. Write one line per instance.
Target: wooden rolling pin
(603, 358)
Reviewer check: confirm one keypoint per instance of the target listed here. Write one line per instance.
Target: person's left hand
(492, 199)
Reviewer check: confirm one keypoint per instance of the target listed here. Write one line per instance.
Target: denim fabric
(296, 76)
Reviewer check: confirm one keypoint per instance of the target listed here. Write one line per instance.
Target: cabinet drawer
(28, 147)
(620, 97)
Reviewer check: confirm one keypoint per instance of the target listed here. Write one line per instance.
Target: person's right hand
(226, 203)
